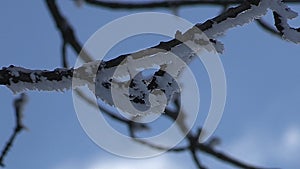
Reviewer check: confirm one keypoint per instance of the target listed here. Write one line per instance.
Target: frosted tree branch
(288, 33)
(165, 4)
(20, 79)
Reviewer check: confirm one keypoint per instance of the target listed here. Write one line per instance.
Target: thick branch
(166, 4)
(60, 79)
(20, 79)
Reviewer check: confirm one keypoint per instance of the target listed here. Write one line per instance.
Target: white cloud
(260, 148)
(291, 138)
(160, 162)
(114, 162)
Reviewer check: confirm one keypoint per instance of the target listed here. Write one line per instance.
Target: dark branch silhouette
(19, 126)
(268, 28)
(67, 32)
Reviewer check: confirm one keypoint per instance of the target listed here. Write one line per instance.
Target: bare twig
(194, 145)
(226, 158)
(18, 104)
(109, 113)
(268, 28)
(132, 126)
(196, 160)
(66, 30)
(64, 55)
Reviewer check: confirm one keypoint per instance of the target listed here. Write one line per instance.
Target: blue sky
(260, 123)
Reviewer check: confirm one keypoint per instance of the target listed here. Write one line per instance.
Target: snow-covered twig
(165, 4)
(288, 33)
(282, 14)
(107, 75)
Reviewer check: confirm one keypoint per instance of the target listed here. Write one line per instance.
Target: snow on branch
(281, 14)
(162, 4)
(288, 33)
(249, 11)
(121, 72)
(19, 79)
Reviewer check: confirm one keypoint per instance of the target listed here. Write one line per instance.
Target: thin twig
(226, 158)
(109, 113)
(66, 30)
(207, 148)
(64, 55)
(267, 27)
(18, 105)
(196, 160)
(132, 126)
(154, 146)
(193, 141)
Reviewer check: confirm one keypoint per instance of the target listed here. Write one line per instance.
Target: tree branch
(226, 158)
(166, 4)
(66, 30)
(18, 105)
(18, 78)
(287, 32)
(267, 27)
